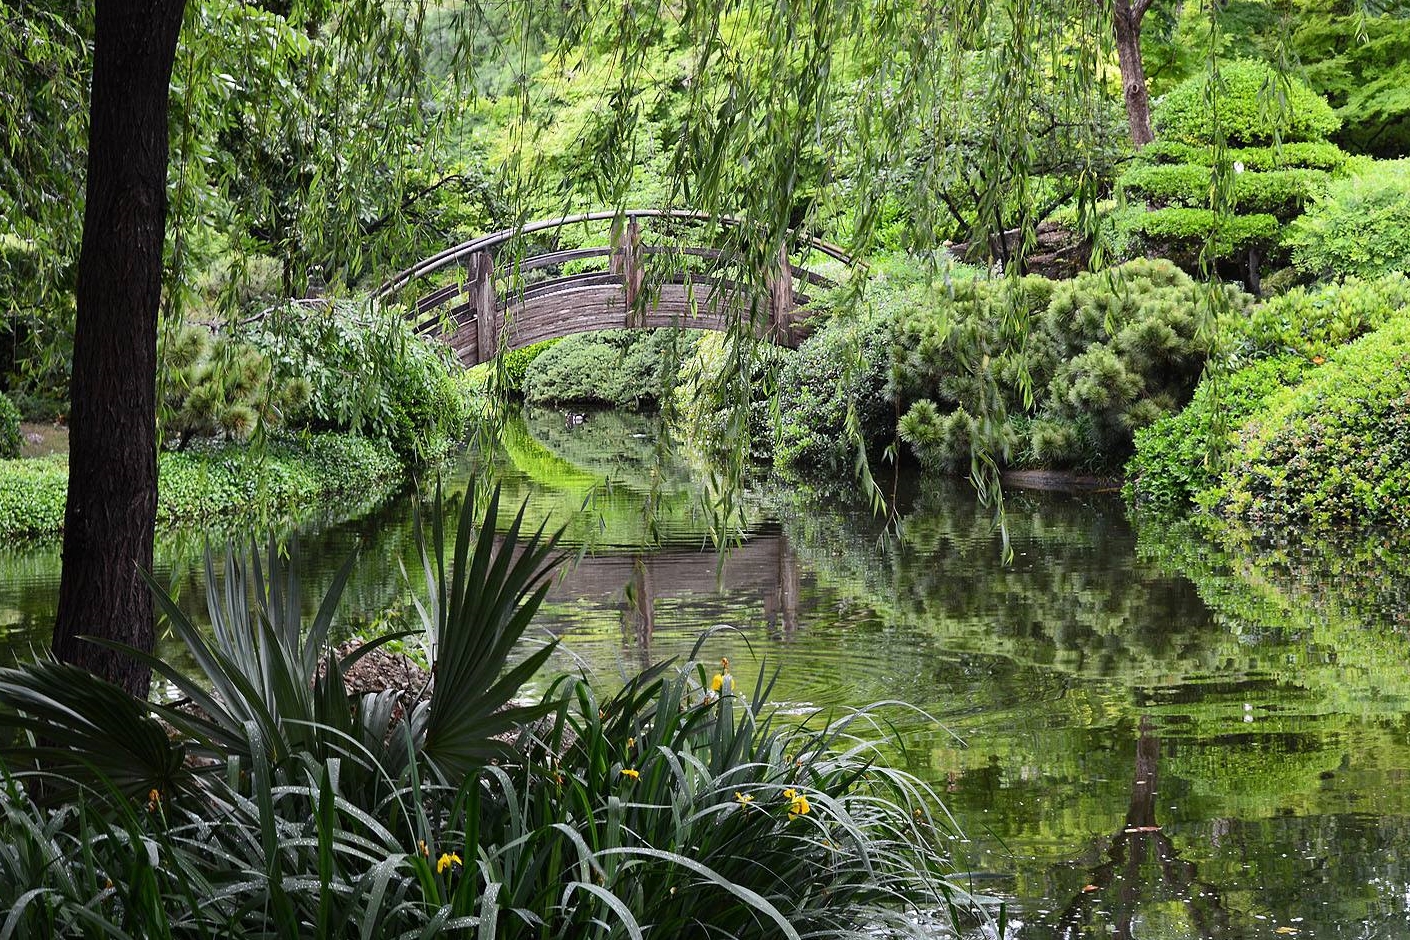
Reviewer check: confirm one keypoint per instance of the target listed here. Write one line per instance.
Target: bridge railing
(496, 301)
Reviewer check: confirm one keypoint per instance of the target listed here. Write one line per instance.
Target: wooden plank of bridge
(483, 305)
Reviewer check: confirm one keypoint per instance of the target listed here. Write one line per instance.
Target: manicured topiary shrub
(1183, 232)
(1255, 106)
(10, 440)
(517, 362)
(840, 369)
(1334, 449)
(1360, 226)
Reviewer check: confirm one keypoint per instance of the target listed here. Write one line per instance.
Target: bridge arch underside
(489, 299)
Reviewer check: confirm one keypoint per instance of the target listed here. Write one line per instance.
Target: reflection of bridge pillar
(639, 616)
(781, 604)
(626, 263)
(483, 304)
(780, 286)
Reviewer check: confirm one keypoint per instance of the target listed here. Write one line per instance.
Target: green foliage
(517, 361)
(1333, 449)
(1280, 193)
(32, 495)
(1282, 343)
(10, 440)
(1178, 458)
(1304, 155)
(1255, 105)
(293, 477)
(366, 372)
(1093, 360)
(839, 371)
(1184, 232)
(1361, 226)
(616, 368)
(723, 394)
(674, 802)
(1362, 64)
(219, 386)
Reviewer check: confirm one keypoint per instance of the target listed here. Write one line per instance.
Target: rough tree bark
(1126, 19)
(112, 499)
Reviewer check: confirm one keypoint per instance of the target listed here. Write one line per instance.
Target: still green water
(1140, 734)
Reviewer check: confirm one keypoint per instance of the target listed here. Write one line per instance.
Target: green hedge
(614, 368)
(1281, 193)
(1189, 230)
(10, 440)
(1305, 155)
(289, 477)
(1280, 344)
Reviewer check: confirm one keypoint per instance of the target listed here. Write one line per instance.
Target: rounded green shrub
(1310, 322)
(1254, 107)
(1360, 226)
(10, 440)
(840, 369)
(612, 368)
(1333, 449)
(1177, 457)
(32, 495)
(1185, 232)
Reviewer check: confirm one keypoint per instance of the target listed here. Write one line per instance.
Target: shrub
(368, 373)
(1103, 355)
(840, 370)
(1177, 458)
(1361, 226)
(723, 396)
(1186, 232)
(1310, 322)
(1302, 155)
(1177, 461)
(220, 386)
(615, 368)
(1255, 107)
(32, 495)
(208, 481)
(10, 439)
(517, 362)
(1334, 449)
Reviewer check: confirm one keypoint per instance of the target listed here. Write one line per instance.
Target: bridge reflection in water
(764, 567)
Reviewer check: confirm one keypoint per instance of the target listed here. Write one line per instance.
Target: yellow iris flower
(447, 860)
(743, 799)
(628, 772)
(797, 804)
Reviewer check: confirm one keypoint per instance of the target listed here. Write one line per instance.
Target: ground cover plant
(272, 801)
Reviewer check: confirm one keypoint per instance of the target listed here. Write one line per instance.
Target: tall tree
(1126, 18)
(111, 513)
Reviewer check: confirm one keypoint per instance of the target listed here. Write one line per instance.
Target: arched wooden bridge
(493, 299)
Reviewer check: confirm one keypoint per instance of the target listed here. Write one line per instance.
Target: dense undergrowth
(283, 805)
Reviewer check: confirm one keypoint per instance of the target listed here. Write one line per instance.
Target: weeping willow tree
(300, 128)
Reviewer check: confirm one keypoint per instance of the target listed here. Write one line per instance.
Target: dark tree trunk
(112, 498)
(1126, 19)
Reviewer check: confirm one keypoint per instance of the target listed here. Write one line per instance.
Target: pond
(1139, 734)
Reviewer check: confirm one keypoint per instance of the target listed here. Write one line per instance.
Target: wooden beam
(484, 305)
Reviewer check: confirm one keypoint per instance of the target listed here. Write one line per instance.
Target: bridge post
(483, 304)
(626, 263)
(780, 287)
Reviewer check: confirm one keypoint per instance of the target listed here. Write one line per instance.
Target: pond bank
(284, 479)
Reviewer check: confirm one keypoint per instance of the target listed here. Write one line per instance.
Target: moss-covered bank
(289, 477)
